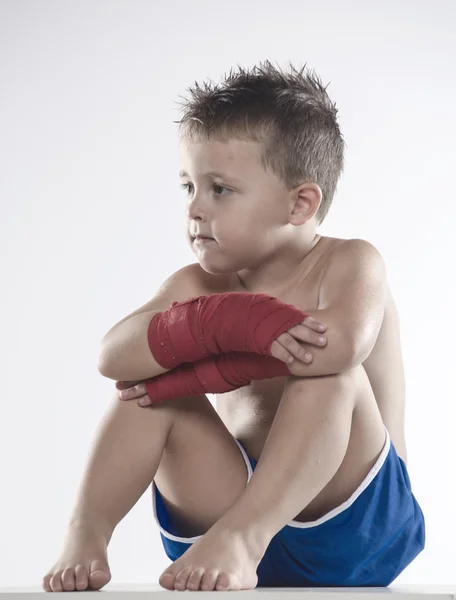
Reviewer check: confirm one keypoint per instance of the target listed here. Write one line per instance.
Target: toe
(180, 583)
(225, 582)
(68, 580)
(56, 582)
(195, 579)
(99, 574)
(46, 583)
(166, 580)
(209, 579)
(82, 578)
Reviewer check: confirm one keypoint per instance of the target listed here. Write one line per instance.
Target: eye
(220, 187)
(185, 186)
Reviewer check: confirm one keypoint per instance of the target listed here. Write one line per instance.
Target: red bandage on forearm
(230, 322)
(213, 375)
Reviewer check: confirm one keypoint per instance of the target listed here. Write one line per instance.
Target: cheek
(244, 229)
(238, 233)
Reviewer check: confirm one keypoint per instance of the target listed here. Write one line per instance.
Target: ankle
(92, 526)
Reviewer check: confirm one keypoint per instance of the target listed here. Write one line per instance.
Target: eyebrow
(212, 174)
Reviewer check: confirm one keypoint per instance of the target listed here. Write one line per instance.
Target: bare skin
(83, 563)
(228, 553)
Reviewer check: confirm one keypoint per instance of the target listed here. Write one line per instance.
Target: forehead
(232, 157)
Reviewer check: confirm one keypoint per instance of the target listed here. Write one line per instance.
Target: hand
(288, 346)
(133, 390)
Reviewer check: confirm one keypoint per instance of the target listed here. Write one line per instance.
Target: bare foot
(83, 564)
(215, 562)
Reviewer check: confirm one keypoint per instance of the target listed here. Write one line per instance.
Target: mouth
(198, 239)
(202, 237)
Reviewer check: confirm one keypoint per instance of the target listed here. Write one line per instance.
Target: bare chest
(248, 412)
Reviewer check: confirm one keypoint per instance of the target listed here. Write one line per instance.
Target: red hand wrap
(213, 375)
(230, 322)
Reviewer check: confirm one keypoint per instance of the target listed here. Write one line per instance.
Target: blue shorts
(366, 541)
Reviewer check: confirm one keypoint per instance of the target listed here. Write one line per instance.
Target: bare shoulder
(187, 282)
(353, 255)
(180, 285)
(347, 249)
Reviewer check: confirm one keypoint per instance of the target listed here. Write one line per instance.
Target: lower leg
(305, 447)
(123, 461)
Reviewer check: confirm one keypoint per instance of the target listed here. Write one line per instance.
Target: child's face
(245, 209)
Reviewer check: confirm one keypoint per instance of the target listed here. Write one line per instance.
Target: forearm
(214, 375)
(344, 349)
(125, 354)
(150, 343)
(124, 351)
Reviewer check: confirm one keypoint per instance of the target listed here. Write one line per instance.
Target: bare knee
(143, 420)
(353, 385)
(343, 386)
(191, 415)
(350, 379)
(174, 405)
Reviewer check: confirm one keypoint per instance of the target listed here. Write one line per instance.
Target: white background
(92, 222)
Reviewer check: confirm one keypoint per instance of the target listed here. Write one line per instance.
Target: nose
(196, 208)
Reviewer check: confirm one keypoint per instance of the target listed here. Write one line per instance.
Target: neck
(278, 270)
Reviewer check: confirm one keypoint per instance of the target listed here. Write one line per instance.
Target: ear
(305, 201)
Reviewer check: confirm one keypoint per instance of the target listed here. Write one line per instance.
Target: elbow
(353, 351)
(103, 358)
(349, 357)
(357, 349)
(108, 365)
(352, 359)
(113, 362)
(103, 367)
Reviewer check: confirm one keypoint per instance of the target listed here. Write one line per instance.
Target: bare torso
(248, 412)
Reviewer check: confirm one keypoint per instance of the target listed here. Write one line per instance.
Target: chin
(215, 267)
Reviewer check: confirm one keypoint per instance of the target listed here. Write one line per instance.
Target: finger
(304, 334)
(133, 392)
(314, 324)
(122, 385)
(145, 401)
(295, 348)
(278, 351)
(127, 394)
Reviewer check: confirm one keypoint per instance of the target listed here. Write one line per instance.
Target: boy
(320, 441)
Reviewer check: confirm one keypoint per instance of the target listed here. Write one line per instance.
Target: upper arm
(178, 287)
(353, 289)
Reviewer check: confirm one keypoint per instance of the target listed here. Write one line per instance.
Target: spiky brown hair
(289, 113)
